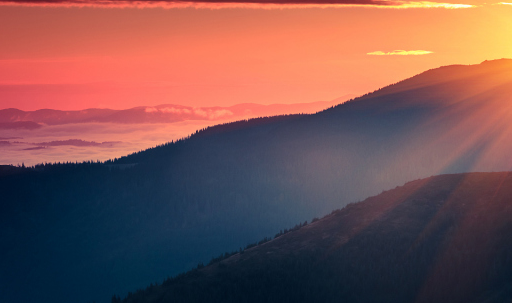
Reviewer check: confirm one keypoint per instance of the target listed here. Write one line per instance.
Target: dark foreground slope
(442, 239)
(117, 226)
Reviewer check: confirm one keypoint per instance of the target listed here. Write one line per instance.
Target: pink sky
(73, 58)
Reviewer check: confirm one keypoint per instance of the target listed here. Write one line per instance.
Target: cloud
(169, 110)
(172, 110)
(151, 110)
(219, 113)
(255, 4)
(212, 114)
(400, 53)
(204, 113)
(504, 3)
(131, 137)
(200, 112)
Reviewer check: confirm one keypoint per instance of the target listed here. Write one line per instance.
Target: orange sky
(74, 58)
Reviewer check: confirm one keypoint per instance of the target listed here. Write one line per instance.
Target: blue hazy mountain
(82, 232)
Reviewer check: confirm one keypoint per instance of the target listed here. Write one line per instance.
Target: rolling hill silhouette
(116, 226)
(441, 239)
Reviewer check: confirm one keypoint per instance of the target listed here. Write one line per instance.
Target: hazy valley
(46, 135)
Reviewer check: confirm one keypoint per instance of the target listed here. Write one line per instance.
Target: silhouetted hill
(442, 239)
(116, 226)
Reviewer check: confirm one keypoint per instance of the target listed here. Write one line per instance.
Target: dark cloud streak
(212, 4)
(158, 3)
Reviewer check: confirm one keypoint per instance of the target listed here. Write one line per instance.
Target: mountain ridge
(188, 200)
(163, 113)
(428, 216)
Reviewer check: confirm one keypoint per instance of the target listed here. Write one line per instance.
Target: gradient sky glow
(118, 56)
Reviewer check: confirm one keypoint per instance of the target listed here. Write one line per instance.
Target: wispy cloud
(254, 4)
(400, 53)
(429, 4)
(194, 113)
(504, 3)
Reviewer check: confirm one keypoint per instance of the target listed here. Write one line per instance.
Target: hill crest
(438, 239)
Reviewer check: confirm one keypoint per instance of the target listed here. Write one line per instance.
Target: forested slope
(119, 225)
(443, 239)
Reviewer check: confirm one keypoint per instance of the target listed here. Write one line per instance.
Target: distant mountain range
(30, 125)
(441, 239)
(119, 225)
(74, 142)
(166, 113)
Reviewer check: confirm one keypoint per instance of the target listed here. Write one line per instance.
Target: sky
(72, 55)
